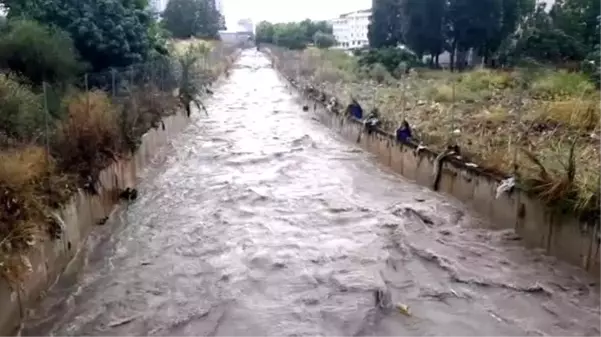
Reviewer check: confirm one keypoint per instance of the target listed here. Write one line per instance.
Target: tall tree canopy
(107, 33)
(296, 35)
(192, 18)
(385, 27)
(497, 30)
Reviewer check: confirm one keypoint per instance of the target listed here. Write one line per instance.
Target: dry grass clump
(181, 46)
(29, 189)
(90, 136)
(557, 121)
(144, 109)
(95, 131)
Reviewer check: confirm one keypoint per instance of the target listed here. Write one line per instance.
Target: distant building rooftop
(356, 12)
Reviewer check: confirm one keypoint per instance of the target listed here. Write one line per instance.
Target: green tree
(323, 40)
(264, 32)
(579, 19)
(385, 29)
(289, 35)
(423, 26)
(295, 35)
(191, 18)
(107, 33)
(542, 41)
(470, 24)
(309, 28)
(38, 53)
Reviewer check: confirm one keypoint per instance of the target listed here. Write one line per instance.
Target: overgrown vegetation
(526, 103)
(296, 35)
(555, 130)
(59, 126)
(186, 19)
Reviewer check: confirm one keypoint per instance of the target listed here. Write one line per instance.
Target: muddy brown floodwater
(258, 220)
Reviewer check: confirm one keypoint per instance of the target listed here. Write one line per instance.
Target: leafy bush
(107, 33)
(30, 188)
(379, 73)
(38, 52)
(289, 37)
(389, 58)
(485, 79)
(323, 40)
(21, 114)
(557, 84)
(547, 45)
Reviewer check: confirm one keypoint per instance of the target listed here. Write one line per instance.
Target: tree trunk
(453, 53)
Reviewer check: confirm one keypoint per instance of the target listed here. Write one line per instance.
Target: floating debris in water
(403, 309)
(122, 321)
(129, 194)
(505, 186)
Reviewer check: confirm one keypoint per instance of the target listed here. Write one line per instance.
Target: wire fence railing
(57, 138)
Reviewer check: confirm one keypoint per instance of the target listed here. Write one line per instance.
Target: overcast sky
(288, 10)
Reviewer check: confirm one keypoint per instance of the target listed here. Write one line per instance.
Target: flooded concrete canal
(258, 220)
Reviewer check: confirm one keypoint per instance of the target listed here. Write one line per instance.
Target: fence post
(46, 122)
(452, 112)
(161, 77)
(113, 85)
(403, 98)
(515, 139)
(131, 78)
(87, 88)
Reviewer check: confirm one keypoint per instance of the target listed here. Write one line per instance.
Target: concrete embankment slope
(78, 218)
(561, 235)
(261, 221)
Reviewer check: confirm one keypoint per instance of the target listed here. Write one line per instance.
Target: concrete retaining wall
(79, 217)
(563, 236)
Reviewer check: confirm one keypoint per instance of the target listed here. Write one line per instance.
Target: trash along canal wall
(564, 236)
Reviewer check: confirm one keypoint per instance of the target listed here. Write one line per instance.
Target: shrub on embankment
(48, 151)
(540, 125)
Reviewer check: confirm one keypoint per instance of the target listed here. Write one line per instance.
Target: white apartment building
(350, 29)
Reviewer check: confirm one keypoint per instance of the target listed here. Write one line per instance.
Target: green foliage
(191, 18)
(264, 32)
(191, 86)
(107, 33)
(423, 25)
(21, 115)
(385, 27)
(560, 84)
(38, 53)
(379, 73)
(390, 58)
(295, 35)
(323, 40)
(488, 27)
